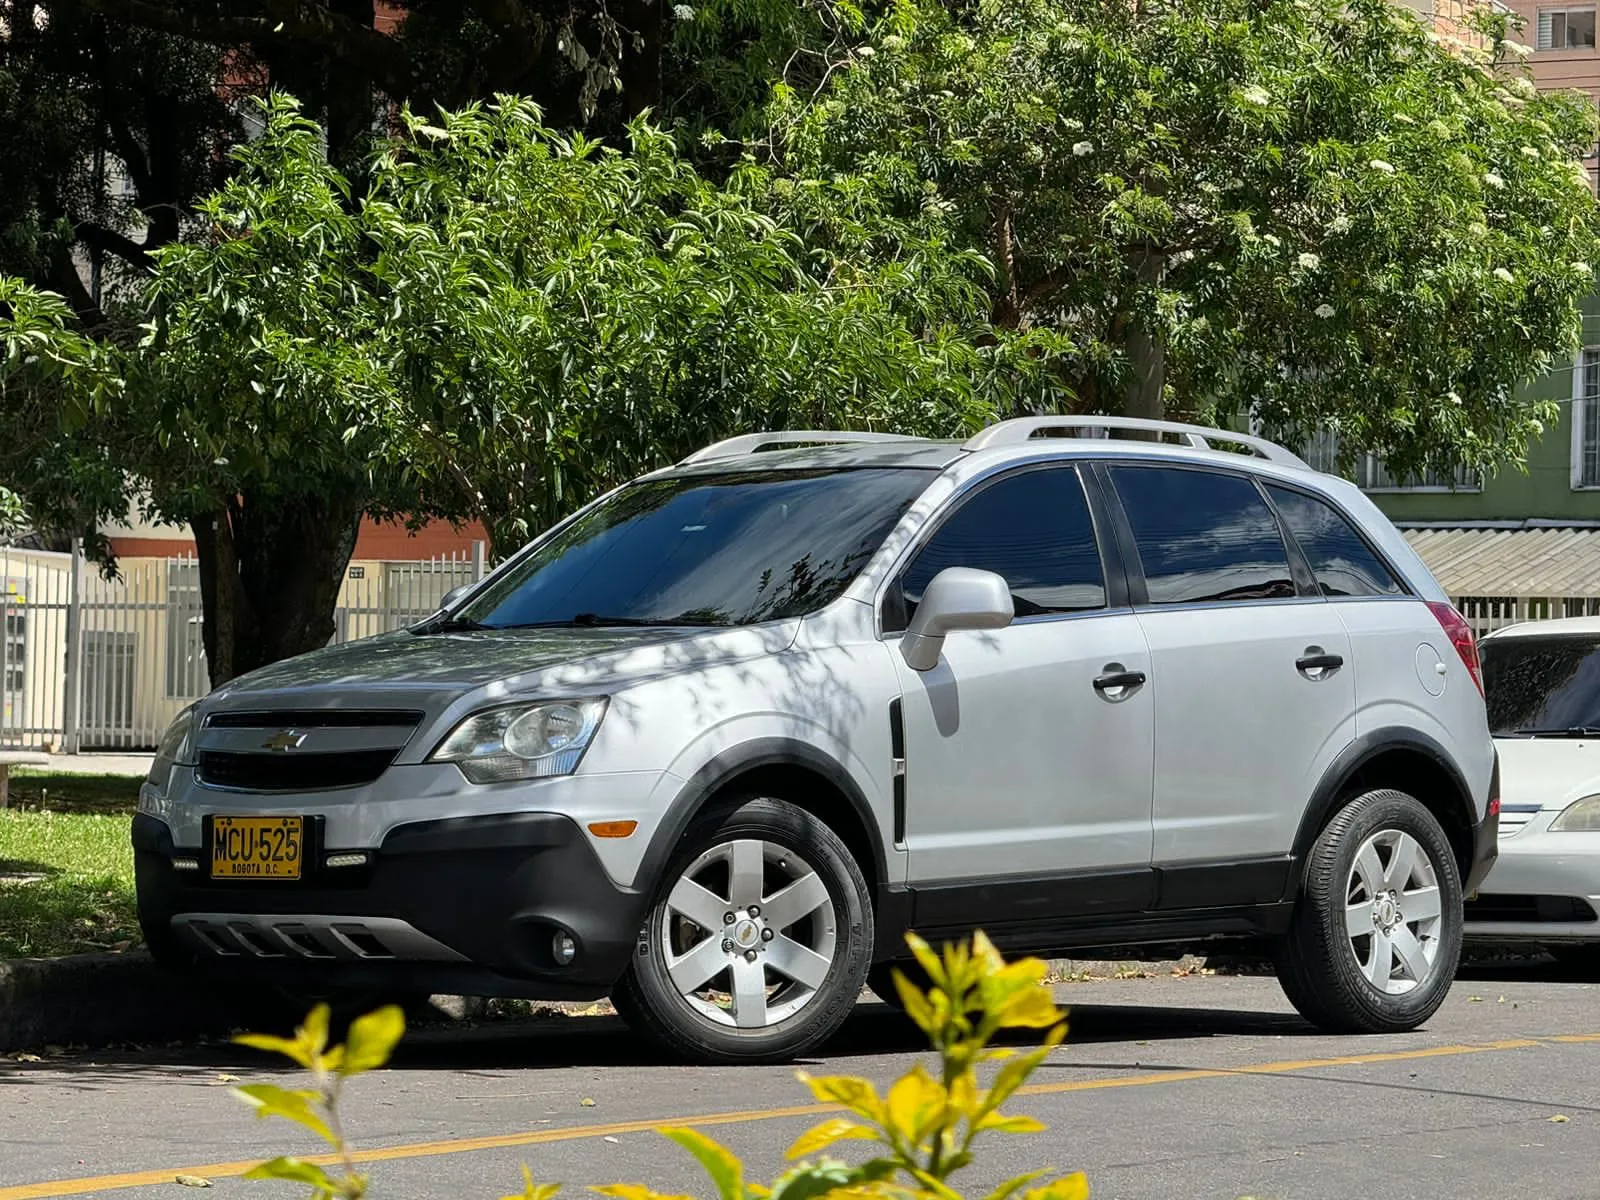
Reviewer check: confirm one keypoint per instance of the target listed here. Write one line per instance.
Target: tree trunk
(269, 579)
(1147, 349)
(641, 61)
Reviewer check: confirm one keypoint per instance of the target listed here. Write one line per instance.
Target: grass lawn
(66, 868)
(65, 792)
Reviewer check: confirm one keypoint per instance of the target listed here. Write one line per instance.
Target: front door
(1029, 750)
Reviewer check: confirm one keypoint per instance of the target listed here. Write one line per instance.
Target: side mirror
(956, 598)
(453, 595)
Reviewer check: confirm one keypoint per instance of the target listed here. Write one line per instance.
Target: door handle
(1116, 680)
(1316, 660)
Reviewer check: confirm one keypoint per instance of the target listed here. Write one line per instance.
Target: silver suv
(713, 743)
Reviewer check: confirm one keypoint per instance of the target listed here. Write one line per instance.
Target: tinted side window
(1343, 564)
(1203, 536)
(1032, 529)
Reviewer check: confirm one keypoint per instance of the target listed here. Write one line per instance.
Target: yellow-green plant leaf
(1004, 1191)
(276, 1045)
(915, 1003)
(997, 1123)
(834, 1179)
(858, 1095)
(313, 1032)
(1070, 1187)
(1015, 1073)
(293, 1170)
(928, 960)
(635, 1191)
(531, 1190)
(271, 1101)
(1031, 1009)
(914, 1105)
(820, 1137)
(372, 1039)
(724, 1167)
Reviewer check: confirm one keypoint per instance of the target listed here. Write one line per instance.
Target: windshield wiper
(447, 625)
(597, 621)
(1571, 731)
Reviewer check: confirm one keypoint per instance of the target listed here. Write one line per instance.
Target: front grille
(293, 772)
(316, 718)
(1507, 908)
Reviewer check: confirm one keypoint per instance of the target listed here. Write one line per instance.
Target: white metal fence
(93, 663)
(1487, 613)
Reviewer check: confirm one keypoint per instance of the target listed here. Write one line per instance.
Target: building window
(1566, 29)
(1322, 453)
(1586, 420)
(186, 677)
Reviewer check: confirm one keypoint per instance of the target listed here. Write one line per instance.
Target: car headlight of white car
(522, 741)
(1581, 816)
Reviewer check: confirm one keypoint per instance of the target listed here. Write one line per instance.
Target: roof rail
(1021, 429)
(749, 443)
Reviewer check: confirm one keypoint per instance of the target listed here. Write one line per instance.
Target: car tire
(766, 985)
(1382, 854)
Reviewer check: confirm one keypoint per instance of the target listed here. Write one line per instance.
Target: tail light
(1460, 634)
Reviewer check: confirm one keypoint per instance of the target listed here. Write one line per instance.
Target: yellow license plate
(257, 847)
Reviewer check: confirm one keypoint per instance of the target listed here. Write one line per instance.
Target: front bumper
(1544, 887)
(468, 905)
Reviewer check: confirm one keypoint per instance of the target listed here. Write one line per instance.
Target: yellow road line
(133, 1179)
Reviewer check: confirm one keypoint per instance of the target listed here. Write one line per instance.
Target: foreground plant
(925, 1126)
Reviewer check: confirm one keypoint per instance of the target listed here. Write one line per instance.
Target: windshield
(727, 549)
(1542, 685)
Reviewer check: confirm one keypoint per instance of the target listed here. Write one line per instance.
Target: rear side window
(1032, 529)
(1344, 565)
(1203, 537)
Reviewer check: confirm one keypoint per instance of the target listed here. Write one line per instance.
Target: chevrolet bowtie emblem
(284, 739)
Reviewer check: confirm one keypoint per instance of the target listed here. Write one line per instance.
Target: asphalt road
(1201, 1086)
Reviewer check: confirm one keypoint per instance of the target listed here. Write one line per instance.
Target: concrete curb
(97, 999)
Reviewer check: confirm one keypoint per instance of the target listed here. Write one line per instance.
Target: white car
(1543, 685)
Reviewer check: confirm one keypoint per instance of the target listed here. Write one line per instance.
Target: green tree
(511, 321)
(1312, 212)
(111, 134)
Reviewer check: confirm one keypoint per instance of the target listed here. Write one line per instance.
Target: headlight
(1581, 816)
(522, 741)
(174, 748)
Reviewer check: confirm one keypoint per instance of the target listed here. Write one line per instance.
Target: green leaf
(372, 1039)
(724, 1168)
(270, 1100)
(293, 1170)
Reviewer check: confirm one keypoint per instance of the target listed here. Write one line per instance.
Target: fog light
(345, 860)
(185, 864)
(564, 948)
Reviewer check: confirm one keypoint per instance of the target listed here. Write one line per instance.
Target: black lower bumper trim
(495, 889)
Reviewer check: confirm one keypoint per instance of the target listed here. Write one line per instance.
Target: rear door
(1250, 672)
(1028, 779)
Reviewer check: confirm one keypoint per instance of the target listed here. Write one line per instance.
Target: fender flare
(721, 770)
(1350, 761)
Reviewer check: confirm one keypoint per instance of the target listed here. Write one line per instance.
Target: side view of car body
(1543, 684)
(713, 743)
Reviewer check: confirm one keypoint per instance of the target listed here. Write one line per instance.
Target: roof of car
(928, 454)
(1560, 627)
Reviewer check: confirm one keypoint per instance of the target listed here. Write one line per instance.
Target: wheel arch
(784, 769)
(1404, 759)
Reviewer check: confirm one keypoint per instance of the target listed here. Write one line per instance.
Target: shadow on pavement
(603, 1041)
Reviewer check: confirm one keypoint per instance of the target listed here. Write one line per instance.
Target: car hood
(1549, 772)
(427, 671)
